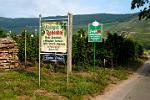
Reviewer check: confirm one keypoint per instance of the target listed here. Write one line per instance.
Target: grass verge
(23, 84)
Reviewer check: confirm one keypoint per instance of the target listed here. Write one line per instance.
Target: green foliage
(2, 34)
(123, 49)
(24, 83)
(144, 39)
(139, 30)
(117, 50)
(31, 46)
(120, 73)
(127, 51)
(114, 43)
(145, 12)
(80, 49)
(50, 67)
(139, 50)
(13, 36)
(102, 76)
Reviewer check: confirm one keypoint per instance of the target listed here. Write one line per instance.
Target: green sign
(95, 32)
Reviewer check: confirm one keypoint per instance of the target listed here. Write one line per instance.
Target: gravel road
(135, 88)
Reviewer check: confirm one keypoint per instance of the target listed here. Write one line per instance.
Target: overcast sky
(32, 8)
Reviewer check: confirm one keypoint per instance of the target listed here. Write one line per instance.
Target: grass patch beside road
(23, 84)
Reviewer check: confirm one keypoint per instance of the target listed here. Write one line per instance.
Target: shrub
(2, 34)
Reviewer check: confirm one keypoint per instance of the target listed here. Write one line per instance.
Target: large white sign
(54, 37)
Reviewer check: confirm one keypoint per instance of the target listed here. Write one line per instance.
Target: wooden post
(69, 55)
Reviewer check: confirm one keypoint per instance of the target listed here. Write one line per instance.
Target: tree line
(116, 49)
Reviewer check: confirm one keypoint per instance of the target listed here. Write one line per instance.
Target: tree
(145, 12)
(122, 49)
(114, 44)
(2, 33)
(80, 48)
(31, 46)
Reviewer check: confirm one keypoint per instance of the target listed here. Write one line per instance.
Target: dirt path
(137, 87)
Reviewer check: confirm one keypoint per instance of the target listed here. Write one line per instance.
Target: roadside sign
(95, 32)
(54, 36)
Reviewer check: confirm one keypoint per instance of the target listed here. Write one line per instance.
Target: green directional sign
(95, 32)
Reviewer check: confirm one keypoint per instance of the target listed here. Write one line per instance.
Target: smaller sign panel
(95, 32)
(53, 58)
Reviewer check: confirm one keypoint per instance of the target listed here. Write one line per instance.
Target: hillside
(17, 24)
(140, 30)
(112, 23)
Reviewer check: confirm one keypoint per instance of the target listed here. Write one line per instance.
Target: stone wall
(8, 53)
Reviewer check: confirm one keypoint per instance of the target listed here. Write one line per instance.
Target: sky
(32, 8)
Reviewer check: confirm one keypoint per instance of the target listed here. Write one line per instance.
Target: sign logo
(95, 32)
(54, 37)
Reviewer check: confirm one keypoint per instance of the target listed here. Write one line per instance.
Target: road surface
(135, 88)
